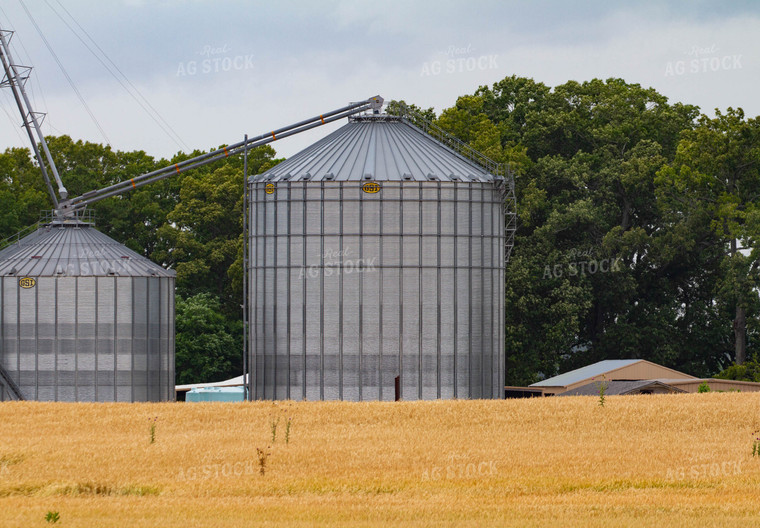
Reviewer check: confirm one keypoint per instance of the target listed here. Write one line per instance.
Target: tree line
(637, 221)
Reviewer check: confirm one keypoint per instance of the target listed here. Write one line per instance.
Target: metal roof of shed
(376, 148)
(584, 373)
(74, 249)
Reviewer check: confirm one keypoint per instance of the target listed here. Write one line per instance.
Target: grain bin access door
(376, 253)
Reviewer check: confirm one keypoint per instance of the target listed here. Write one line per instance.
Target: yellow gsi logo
(371, 187)
(269, 188)
(27, 282)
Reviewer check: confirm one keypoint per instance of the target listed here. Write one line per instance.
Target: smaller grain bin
(84, 318)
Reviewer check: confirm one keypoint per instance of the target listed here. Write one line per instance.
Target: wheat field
(676, 460)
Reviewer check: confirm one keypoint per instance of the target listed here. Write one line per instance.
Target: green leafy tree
(710, 192)
(208, 344)
(585, 157)
(747, 371)
(394, 108)
(202, 236)
(22, 192)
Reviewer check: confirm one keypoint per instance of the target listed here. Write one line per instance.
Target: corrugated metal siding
(377, 148)
(350, 289)
(89, 338)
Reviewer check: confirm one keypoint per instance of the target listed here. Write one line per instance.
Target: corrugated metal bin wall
(90, 338)
(349, 289)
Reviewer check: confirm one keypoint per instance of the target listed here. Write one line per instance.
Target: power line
(65, 73)
(10, 118)
(155, 115)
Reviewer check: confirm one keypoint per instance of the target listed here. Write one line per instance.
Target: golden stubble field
(672, 460)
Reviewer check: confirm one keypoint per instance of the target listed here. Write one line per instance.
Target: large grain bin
(377, 253)
(84, 319)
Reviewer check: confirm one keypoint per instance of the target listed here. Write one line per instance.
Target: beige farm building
(626, 376)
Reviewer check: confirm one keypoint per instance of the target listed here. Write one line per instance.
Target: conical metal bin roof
(74, 249)
(379, 148)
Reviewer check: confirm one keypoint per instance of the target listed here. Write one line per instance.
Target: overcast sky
(268, 64)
